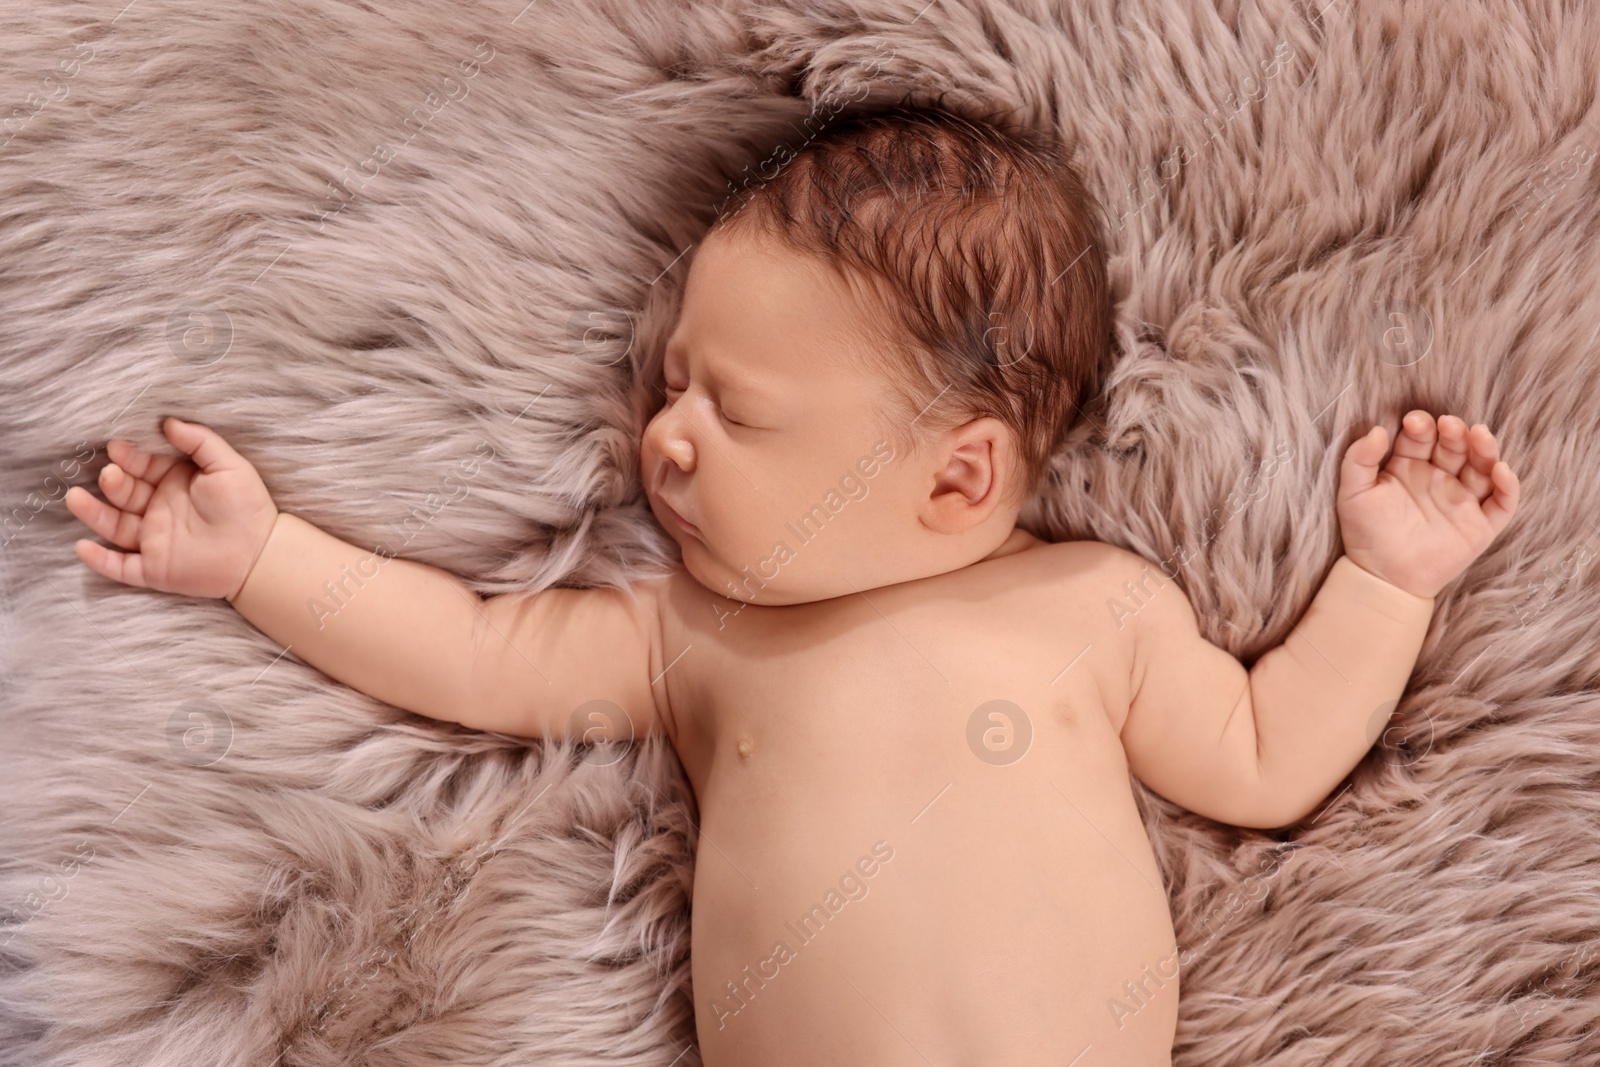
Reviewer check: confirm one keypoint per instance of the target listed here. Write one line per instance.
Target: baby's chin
(706, 568)
(696, 559)
(748, 584)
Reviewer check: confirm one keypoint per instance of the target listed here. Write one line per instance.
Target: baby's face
(766, 441)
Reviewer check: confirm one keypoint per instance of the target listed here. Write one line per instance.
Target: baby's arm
(410, 634)
(1263, 748)
(419, 638)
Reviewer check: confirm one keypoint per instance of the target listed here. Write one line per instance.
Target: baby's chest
(961, 823)
(826, 690)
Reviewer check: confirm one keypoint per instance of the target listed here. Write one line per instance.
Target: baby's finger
(118, 566)
(1483, 452)
(124, 490)
(140, 464)
(204, 445)
(1507, 491)
(1416, 437)
(1358, 470)
(118, 527)
(1450, 453)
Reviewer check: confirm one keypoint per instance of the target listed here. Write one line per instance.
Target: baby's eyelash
(730, 421)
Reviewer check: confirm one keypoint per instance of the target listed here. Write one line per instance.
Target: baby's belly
(894, 899)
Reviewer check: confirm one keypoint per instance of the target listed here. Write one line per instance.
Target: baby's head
(878, 351)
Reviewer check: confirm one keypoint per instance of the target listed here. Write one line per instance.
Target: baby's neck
(1019, 540)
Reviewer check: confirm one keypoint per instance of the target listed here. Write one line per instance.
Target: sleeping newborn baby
(908, 724)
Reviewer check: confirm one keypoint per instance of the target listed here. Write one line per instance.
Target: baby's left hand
(1444, 496)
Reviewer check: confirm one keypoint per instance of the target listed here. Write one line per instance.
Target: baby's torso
(891, 870)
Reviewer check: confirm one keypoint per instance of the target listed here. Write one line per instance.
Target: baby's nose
(662, 439)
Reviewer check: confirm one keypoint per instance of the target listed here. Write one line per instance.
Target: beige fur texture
(369, 243)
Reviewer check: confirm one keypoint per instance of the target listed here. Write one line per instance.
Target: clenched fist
(193, 525)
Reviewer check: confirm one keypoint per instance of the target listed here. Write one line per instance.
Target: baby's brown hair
(981, 247)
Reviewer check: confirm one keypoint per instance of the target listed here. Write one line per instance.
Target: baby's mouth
(674, 516)
(691, 527)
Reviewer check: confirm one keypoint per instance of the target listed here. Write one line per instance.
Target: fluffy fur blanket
(369, 245)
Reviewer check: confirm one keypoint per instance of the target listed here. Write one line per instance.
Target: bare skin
(909, 735)
(1019, 896)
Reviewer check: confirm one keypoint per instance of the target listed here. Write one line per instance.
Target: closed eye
(724, 415)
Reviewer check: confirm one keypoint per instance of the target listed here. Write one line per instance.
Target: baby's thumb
(1359, 470)
(203, 444)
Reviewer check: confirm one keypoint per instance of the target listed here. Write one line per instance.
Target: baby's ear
(977, 464)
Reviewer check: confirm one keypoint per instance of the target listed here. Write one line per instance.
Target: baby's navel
(746, 746)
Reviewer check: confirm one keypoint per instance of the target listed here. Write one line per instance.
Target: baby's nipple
(746, 746)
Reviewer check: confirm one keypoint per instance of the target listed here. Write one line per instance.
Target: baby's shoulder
(1110, 586)
(1096, 563)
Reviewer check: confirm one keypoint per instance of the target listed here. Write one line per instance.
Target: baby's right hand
(196, 528)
